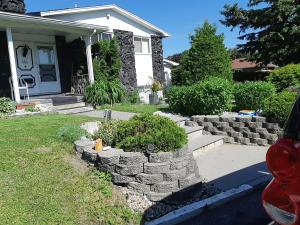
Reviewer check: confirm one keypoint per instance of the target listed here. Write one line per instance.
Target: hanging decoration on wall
(24, 58)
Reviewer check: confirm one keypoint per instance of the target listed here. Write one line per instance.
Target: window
(102, 36)
(141, 45)
(47, 64)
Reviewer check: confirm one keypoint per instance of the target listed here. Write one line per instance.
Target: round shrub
(71, 133)
(285, 77)
(143, 130)
(107, 132)
(7, 106)
(209, 97)
(278, 107)
(251, 95)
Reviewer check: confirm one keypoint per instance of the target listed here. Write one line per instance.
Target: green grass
(43, 182)
(134, 108)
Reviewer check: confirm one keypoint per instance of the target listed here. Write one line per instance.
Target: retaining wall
(156, 175)
(242, 130)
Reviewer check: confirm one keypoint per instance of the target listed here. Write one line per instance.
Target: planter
(154, 99)
(24, 106)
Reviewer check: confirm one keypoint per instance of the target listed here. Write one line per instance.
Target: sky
(177, 17)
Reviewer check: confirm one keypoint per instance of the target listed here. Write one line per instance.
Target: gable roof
(244, 64)
(115, 8)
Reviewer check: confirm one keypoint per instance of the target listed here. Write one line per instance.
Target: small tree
(107, 60)
(208, 57)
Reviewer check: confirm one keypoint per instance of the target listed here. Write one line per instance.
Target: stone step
(77, 110)
(69, 106)
(193, 132)
(202, 143)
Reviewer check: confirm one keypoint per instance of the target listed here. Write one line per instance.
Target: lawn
(43, 182)
(134, 108)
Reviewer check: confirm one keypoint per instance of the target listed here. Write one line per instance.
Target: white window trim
(150, 46)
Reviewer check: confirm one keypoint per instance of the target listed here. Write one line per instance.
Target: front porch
(43, 54)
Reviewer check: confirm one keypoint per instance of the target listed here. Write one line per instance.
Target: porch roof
(14, 20)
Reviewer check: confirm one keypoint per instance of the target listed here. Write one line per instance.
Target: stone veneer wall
(156, 175)
(126, 48)
(243, 130)
(16, 6)
(157, 59)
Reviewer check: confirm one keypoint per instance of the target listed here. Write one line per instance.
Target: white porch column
(88, 44)
(13, 68)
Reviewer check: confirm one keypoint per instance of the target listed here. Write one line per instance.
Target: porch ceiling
(33, 24)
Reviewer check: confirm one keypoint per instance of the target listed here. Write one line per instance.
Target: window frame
(149, 52)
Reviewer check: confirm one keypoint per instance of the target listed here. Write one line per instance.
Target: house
(245, 70)
(168, 67)
(42, 48)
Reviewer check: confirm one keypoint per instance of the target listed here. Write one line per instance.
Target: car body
(281, 198)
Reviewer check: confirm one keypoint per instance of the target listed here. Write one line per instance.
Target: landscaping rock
(107, 168)
(244, 119)
(258, 141)
(242, 140)
(90, 155)
(220, 133)
(272, 126)
(165, 187)
(227, 119)
(212, 119)
(160, 157)
(206, 124)
(211, 129)
(221, 124)
(198, 118)
(235, 134)
(157, 197)
(156, 168)
(261, 131)
(237, 124)
(119, 179)
(189, 181)
(82, 145)
(242, 129)
(259, 119)
(189, 123)
(175, 175)
(141, 188)
(251, 135)
(149, 178)
(179, 163)
(132, 158)
(183, 152)
(229, 140)
(254, 125)
(110, 157)
(129, 170)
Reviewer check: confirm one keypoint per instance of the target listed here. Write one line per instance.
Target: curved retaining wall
(243, 130)
(156, 175)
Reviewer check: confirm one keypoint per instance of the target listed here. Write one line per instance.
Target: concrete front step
(69, 106)
(193, 132)
(202, 143)
(77, 110)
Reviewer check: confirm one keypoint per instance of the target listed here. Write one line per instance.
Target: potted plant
(153, 97)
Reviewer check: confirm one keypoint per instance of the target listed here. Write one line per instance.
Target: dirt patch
(43, 149)
(78, 164)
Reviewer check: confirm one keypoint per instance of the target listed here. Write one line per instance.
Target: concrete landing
(115, 115)
(229, 166)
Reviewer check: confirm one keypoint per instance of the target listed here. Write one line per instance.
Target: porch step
(193, 132)
(66, 100)
(202, 143)
(69, 106)
(78, 110)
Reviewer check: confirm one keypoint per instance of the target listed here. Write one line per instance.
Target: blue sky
(178, 17)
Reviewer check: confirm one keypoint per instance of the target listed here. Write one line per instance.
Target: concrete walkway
(115, 115)
(229, 166)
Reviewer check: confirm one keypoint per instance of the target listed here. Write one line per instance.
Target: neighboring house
(35, 48)
(168, 66)
(250, 71)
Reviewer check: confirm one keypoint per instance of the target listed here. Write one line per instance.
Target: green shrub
(146, 129)
(285, 77)
(107, 132)
(209, 97)
(251, 95)
(133, 97)
(7, 106)
(104, 92)
(71, 133)
(278, 107)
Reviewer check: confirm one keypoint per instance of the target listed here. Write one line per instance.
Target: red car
(281, 198)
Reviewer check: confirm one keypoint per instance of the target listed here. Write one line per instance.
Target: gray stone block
(227, 119)
(90, 155)
(259, 119)
(251, 135)
(261, 131)
(110, 157)
(107, 168)
(189, 181)
(211, 129)
(190, 123)
(160, 157)
(242, 140)
(157, 197)
(206, 124)
(191, 167)
(175, 175)
(149, 178)
(242, 129)
(279, 131)
(82, 145)
(226, 129)
(129, 170)
(183, 152)
(221, 124)
(235, 134)
(272, 137)
(254, 125)
(198, 118)
(212, 119)
(165, 187)
(132, 158)
(229, 140)
(221, 133)
(271, 142)
(156, 168)
(179, 163)
(259, 141)
(119, 179)
(237, 124)
(141, 188)
(243, 119)
(271, 126)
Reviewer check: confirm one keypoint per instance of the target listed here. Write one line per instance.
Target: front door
(37, 66)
